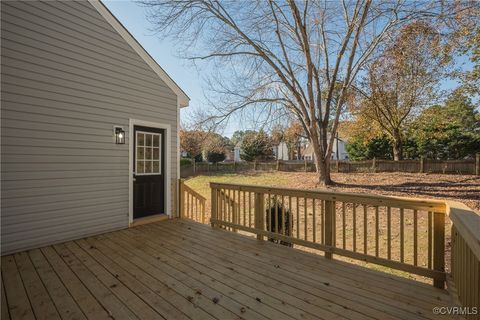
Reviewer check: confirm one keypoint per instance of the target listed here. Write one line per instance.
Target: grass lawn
(464, 188)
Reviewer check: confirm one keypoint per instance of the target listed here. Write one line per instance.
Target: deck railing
(192, 203)
(465, 256)
(400, 233)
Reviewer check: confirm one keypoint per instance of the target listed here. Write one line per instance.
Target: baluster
(314, 222)
(249, 209)
(389, 233)
(365, 209)
(439, 246)
(415, 238)
(305, 212)
(224, 199)
(344, 236)
(322, 221)
(429, 235)
(376, 231)
(275, 203)
(297, 201)
(269, 213)
(290, 216)
(234, 209)
(187, 195)
(402, 236)
(284, 232)
(354, 227)
(244, 210)
(229, 208)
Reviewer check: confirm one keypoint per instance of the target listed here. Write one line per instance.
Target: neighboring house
(339, 143)
(236, 152)
(280, 151)
(89, 125)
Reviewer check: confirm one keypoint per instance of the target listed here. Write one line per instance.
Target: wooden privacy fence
(400, 233)
(466, 166)
(191, 203)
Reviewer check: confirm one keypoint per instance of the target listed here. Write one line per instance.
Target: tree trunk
(397, 146)
(322, 166)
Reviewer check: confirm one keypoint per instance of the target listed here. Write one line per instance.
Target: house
(339, 144)
(280, 151)
(236, 152)
(89, 125)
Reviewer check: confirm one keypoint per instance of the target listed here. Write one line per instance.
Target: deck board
(180, 269)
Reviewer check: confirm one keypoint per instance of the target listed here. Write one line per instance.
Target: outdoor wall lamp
(119, 135)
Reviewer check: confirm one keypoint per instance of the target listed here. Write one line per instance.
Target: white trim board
(168, 164)
(127, 36)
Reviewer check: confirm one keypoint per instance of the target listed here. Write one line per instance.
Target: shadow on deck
(179, 269)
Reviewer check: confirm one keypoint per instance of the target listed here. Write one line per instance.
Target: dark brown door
(149, 172)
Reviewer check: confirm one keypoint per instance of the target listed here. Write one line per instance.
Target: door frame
(168, 163)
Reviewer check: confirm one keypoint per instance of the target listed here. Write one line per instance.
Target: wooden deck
(178, 269)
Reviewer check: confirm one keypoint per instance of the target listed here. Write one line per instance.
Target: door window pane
(148, 153)
(140, 167)
(156, 153)
(140, 153)
(156, 140)
(156, 166)
(148, 166)
(140, 139)
(148, 139)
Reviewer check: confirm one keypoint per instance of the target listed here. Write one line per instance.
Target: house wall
(67, 78)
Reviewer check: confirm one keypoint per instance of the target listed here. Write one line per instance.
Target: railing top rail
(467, 223)
(377, 200)
(195, 193)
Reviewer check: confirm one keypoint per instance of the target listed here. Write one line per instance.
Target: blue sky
(133, 17)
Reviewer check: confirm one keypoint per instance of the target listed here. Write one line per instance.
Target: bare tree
(296, 56)
(403, 80)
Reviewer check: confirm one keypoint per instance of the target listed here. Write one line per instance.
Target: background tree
(191, 141)
(256, 146)
(296, 57)
(449, 131)
(401, 82)
(215, 148)
(238, 135)
(293, 136)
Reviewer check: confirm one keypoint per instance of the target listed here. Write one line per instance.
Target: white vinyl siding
(67, 78)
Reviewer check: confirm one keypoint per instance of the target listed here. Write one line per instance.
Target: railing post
(422, 165)
(439, 246)
(181, 201)
(213, 209)
(259, 209)
(329, 225)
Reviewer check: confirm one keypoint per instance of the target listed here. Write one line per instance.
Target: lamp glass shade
(119, 135)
